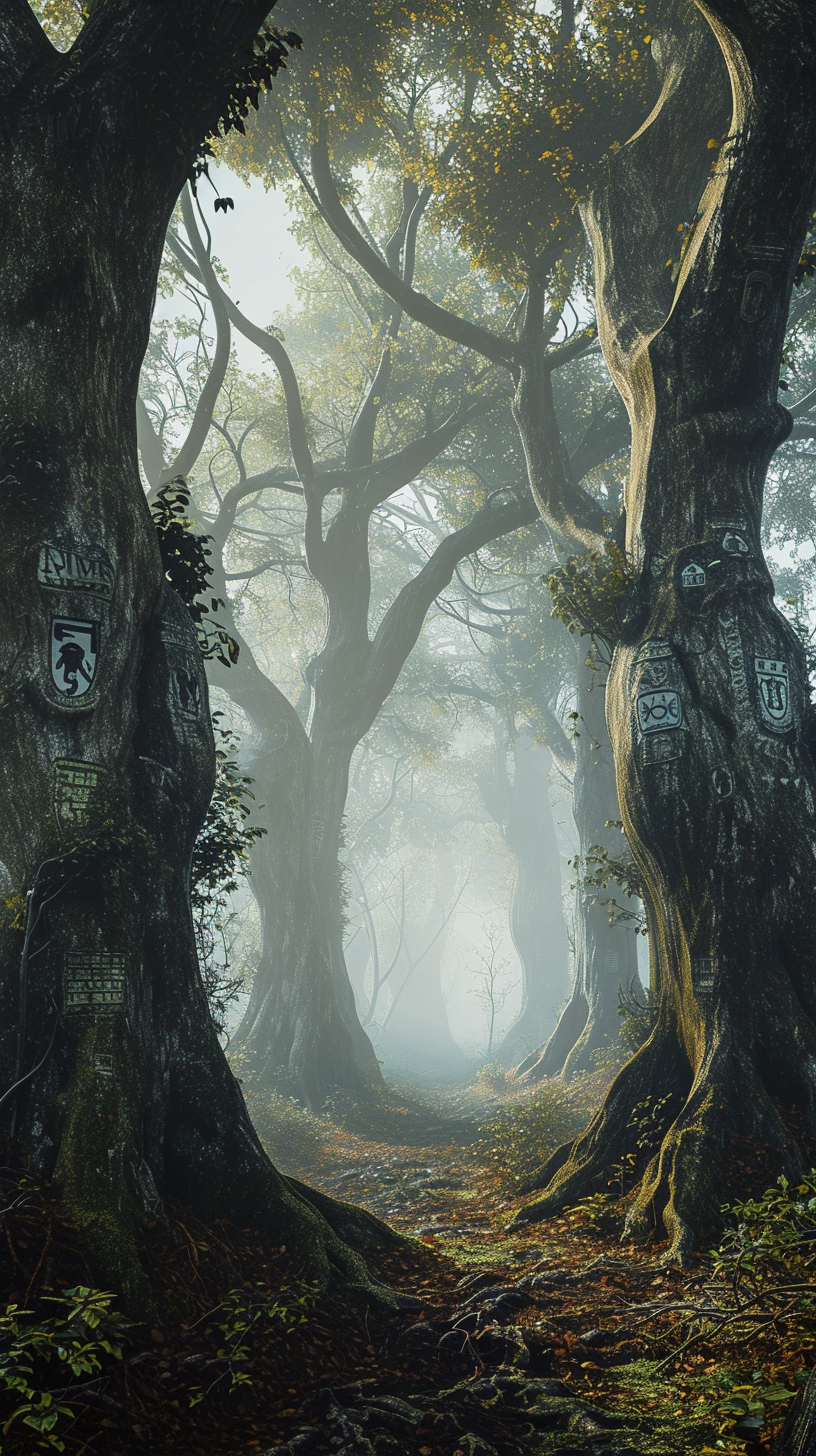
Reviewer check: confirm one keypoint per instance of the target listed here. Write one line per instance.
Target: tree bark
(708, 700)
(605, 954)
(292, 1033)
(416, 1035)
(521, 806)
(116, 1084)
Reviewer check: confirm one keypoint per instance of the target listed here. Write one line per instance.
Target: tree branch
(417, 305)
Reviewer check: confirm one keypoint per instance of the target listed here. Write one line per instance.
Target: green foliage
(743, 1410)
(766, 1263)
(554, 108)
(246, 1316)
(185, 558)
(220, 860)
(295, 1139)
(597, 871)
(590, 593)
(493, 1077)
(85, 1330)
(523, 1135)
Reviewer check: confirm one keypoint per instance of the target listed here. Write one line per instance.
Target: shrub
(521, 1136)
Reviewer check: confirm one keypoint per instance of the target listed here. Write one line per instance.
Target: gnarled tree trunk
(521, 806)
(121, 1092)
(605, 953)
(708, 701)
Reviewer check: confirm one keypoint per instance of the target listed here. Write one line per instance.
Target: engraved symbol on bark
(188, 692)
(62, 569)
(660, 748)
(74, 653)
(103, 1064)
(723, 781)
(774, 694)
(94, 981)
(703, 974)
(755, 296)
(654, 647)
(658, 711)
(654, 675)
(735, 545)
(693, 575)
(74, 786)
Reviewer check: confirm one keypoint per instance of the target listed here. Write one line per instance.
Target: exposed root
(656, 1069)
(548, 1061)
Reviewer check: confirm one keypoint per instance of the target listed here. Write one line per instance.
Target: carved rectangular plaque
(94, 981)
(62, 569)
(703, 974)
(661, 747)
(75, 783)
(653, 648)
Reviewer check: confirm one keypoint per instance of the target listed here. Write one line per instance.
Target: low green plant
(242, 1316)
(522, 1135)
(590, 592)
(493, 1077)
(84, 1331)
(744, 1410)
(295, 1139)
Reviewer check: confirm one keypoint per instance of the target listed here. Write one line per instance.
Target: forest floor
(553, 1338)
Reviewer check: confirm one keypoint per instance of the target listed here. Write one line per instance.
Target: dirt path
(524, 1343)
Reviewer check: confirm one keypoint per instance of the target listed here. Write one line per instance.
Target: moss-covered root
(656, 1069)
(685, 1185)
(96, 1160)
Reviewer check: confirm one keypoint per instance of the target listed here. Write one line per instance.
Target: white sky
(255, 247)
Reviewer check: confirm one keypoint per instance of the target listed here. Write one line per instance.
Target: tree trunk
(416, 1037)
(605, 954)
(117, 1086)
(292, 1033)
(536, 911)
(708, 700)
(332, 753)
(293, 1028)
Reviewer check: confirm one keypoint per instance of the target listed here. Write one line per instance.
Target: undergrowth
(45, 1351)
(521, 1135)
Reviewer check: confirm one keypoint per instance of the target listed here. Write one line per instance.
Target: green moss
(100, 1132)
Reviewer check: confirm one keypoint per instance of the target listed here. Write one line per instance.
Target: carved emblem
(693, 575)
(755, 296)
(723, 781)
(657, 711)
(103, 1064)
(62, 569)
(188, 692)
(74, 653)
(660, 748)
(653, 648)
(774, 693)
(94, 981)
(654, 674)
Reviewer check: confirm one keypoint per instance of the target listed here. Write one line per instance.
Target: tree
(294, 1022)
(708, 695)
(116, 1084)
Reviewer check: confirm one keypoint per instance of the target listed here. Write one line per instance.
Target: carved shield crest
(74, 655)
(774, 693)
